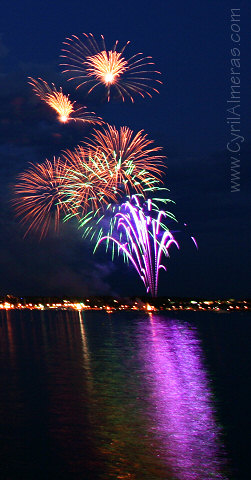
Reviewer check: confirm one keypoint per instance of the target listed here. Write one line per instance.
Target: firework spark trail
(93, 65)
(100, 222)
(113, 163)
(85, 186)
(195, 242)
(61, 103)
(38, 199)
(143, 241)
(130, 159)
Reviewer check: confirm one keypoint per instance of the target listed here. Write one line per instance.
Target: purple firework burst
(142, 239)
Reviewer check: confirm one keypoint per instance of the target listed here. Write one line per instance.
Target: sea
(124, 395)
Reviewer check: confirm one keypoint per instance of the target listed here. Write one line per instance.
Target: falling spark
(99, 222)
(61, 103)
(92, 65)
(142, 240)
(195, 243)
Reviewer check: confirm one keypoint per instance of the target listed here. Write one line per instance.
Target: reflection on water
(180, 402)
(97, 396)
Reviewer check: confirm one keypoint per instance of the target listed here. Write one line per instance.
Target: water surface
(115, 396)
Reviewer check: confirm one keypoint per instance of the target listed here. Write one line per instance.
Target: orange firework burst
(61, 103)
(85, 186)
(94, 65)
(106, 66)
(129, 161)
(38, 199)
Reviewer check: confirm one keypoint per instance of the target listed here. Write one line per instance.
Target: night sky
(191, 44)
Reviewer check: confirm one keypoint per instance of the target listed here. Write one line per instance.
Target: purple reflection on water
(180, 402)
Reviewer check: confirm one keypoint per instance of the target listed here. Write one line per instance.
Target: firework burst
(85, 186)
(38, 199)
(102, 221)
(61, 103)
(142, 240)
(130, 162)
(91, 64)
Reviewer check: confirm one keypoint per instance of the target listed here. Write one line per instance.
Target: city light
(100, 303)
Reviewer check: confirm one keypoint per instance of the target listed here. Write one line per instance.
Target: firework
(38, 199)
(99, 222)
(92, 65)
(130, 161)
(61, 103)
(85, 186)
(142, 240)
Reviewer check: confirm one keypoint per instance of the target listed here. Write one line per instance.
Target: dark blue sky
(191, 44)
